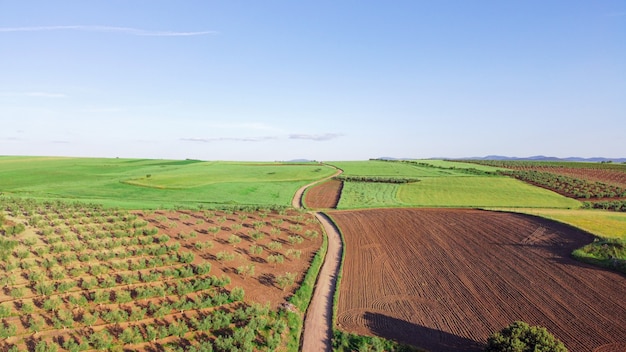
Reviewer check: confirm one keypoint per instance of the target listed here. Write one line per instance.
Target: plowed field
(445, 279)
(324, 195)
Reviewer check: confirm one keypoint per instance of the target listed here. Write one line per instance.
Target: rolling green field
(140, 183)
(480, 191)
(441, 186)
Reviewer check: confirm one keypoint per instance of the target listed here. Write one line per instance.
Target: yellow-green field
(607, 224)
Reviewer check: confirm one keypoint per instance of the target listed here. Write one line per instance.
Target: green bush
(521, 337)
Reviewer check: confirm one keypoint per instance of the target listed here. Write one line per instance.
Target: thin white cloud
(316, 137)
(229, 139)
(106, 29)
(33, 94)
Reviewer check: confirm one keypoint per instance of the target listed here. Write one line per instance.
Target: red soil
(445, 279)
(324, 195)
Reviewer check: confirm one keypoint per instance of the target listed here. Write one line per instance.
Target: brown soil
(260, 287)
(324, 195)
(445, 279)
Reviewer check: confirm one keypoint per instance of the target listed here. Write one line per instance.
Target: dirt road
(317, 332)
(296, 202)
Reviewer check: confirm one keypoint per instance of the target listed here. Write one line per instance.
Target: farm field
(480, 191)
(606, 224)
(162, 234)
(445, 279)
(451, 191)
(609, 176)
(323, 195)
(438, 183)
(395, 169)
(578, 180)
(140, 184)
(85, 277)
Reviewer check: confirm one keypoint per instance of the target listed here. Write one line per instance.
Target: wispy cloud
(316, 137)
(230, 139)
(107, 29)
(33, 94)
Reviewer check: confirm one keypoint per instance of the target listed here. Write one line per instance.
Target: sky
(320, 80)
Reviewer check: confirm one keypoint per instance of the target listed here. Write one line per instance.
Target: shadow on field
(559, 243)
(417, 335)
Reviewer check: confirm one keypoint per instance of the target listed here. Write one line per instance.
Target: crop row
(516, 164)
(241, 327)
(81, 277)
(614, 205)
(376, 179)
(568, 186)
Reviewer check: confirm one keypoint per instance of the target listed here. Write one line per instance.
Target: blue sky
(323, 80)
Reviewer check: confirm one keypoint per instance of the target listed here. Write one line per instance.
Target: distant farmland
(139, 183)
(441, 184)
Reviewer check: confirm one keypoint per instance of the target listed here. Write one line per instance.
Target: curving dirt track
(324, 195)
(317, 331)
(445, 279)
(296, 202)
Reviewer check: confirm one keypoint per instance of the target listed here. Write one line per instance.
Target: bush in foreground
(521, 337)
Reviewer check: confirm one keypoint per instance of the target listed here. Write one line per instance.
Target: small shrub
(521, 337)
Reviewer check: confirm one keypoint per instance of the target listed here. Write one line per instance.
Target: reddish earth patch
(445, 279)
(324, 195)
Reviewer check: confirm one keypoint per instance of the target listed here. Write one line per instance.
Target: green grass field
(480, 191)
(379, 168)
(368, 195)
(139, 184)
(459, 165)
(440, 186)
